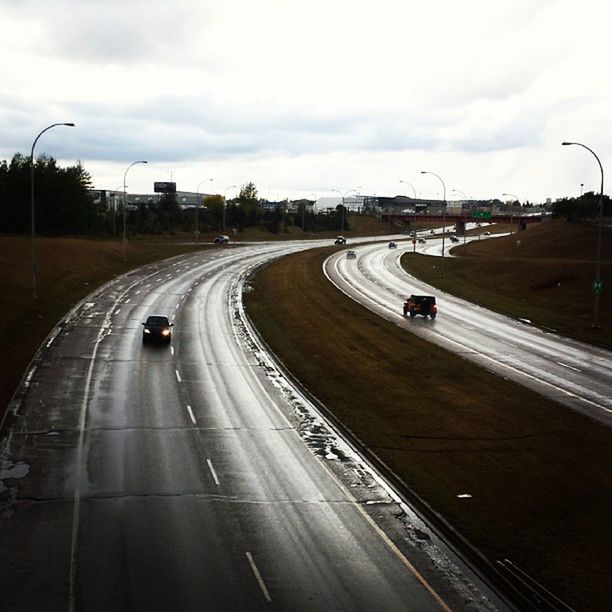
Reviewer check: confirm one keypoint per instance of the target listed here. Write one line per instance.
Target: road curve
(188, 477)
(570, 372)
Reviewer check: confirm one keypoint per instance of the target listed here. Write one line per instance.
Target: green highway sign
(481, 214)
(597, 287)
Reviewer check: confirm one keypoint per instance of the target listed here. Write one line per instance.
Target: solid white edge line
(262, 584)
(213, 472)
(81, 442)
(350, 451)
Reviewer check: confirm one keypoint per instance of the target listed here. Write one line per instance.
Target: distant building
(112, 200)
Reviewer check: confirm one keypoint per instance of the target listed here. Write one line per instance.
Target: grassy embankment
(70, 268)
(539, 474)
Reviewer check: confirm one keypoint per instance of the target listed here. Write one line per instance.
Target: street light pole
(597, 286)
(32, 207)
(443, 211)
(512, 205)
(464, 201)
(411, 186)
(124, 241)
(343, 195)
(197, 231)
(225, 202)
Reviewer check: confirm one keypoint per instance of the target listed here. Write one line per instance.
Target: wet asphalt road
(181, 478)
(572, 373)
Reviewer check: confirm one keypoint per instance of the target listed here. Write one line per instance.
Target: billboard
(164, 187)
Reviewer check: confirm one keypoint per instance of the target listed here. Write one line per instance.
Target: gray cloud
(114, 31)
(173, 129)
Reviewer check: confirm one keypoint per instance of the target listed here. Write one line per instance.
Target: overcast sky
(307, 97)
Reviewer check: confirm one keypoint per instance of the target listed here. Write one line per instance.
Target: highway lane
(572, 373)
(187, 477)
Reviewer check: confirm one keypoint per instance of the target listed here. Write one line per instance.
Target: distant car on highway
(422, 241)
(454, 239)
(393, 245)
(157, 328)
(221, 239)
(351, 255)
(340, 240)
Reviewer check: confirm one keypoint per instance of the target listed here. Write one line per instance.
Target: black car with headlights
(157, 329)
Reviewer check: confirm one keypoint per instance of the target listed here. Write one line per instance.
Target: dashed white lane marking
(172, 350)
(178, 376)
(176, 306)
(262, 584)
(191, 414)
(569, 367)
(212, 471)
(127, 301)
(117, 311)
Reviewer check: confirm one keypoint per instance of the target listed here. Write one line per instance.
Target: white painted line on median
(212, 471)
(262, 584)
(178, 376)
(191, 414)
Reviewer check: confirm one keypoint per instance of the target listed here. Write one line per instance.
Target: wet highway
(191, 476)
(570, 372)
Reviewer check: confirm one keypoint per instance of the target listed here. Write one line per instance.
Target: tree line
(582, 208)
(65, 205)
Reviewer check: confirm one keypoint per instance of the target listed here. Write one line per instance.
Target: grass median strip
(537, 473)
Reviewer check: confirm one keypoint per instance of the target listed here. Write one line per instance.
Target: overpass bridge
(461, 218)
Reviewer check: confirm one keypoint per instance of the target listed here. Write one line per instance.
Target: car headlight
(147, 331)
(166, 332)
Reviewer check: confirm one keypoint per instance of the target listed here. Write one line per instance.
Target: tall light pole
(197, 231)
(411, 186)
(32, 207)
(465, 201)
(225, 202)
(343, 195)
(597, 285)
(516, 199)
(142, 161)
(443, 210)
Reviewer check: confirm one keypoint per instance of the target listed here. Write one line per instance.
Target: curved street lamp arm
(43, 131)
(597, 285)
(411, 186)
(579, 144)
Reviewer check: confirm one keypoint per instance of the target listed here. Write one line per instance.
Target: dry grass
(538, 473)
(68, 270)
